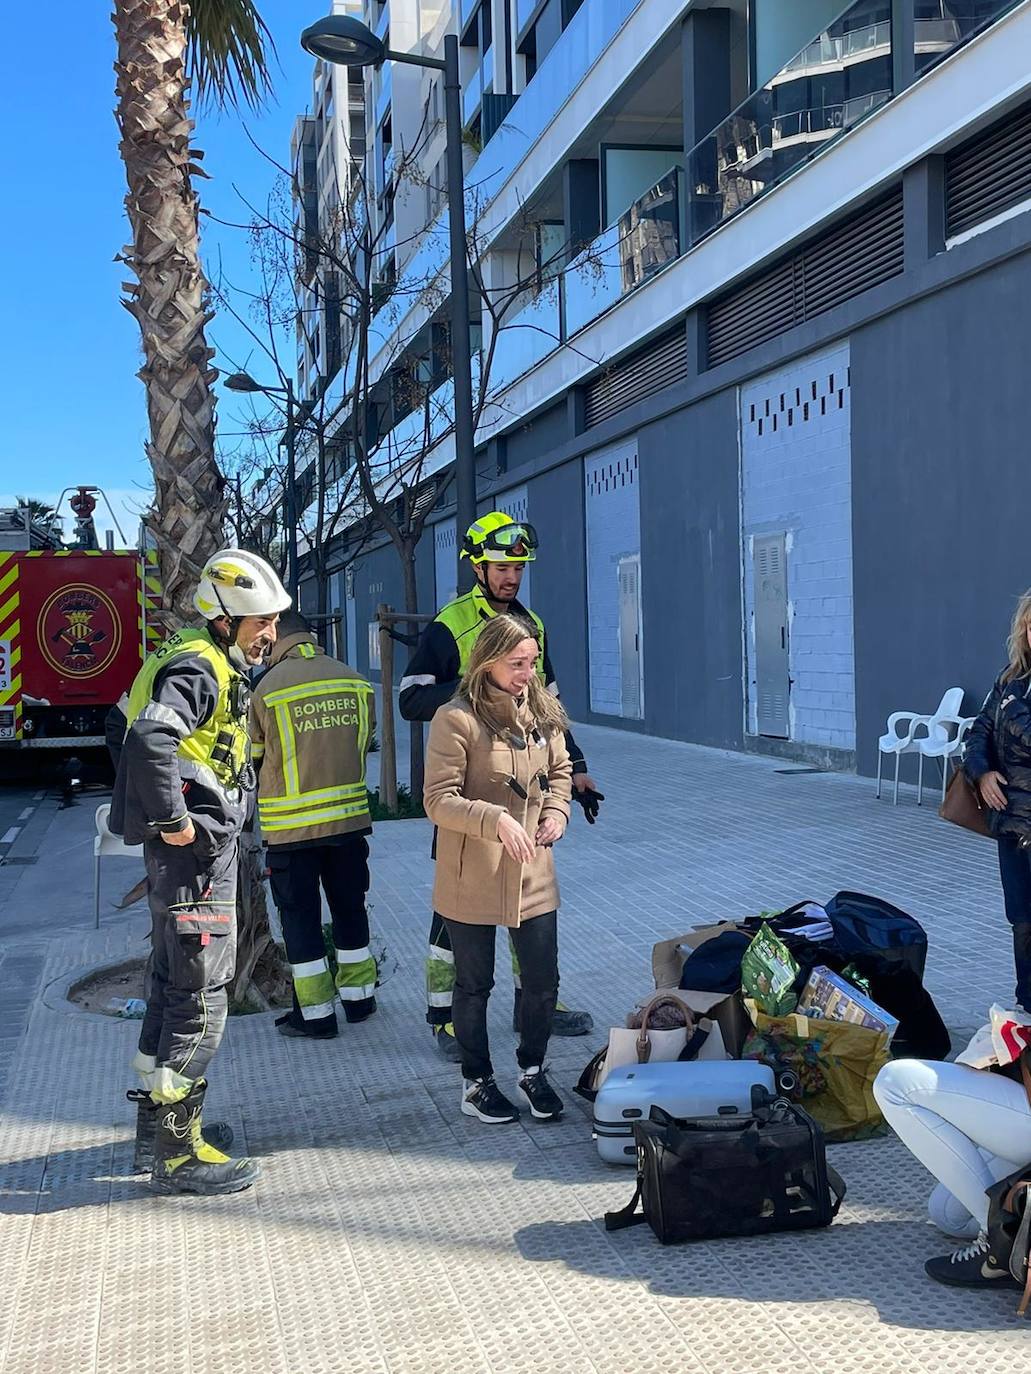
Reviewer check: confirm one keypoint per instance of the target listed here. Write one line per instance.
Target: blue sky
(73, 407)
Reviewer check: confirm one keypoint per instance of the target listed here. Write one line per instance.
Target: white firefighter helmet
(237, 583)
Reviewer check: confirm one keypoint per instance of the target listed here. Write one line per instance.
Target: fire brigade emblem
(79, 631)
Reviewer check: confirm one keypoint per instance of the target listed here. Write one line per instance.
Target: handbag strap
(644, 1047)
(628, 1215)
(585, 1085)
(695, 1042)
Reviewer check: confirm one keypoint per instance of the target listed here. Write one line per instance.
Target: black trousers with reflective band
(193, 954)
(536, 945)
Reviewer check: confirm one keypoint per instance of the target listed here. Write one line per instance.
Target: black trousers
(193, 955)
(298, 878)
(536, 945)
(1015, 871)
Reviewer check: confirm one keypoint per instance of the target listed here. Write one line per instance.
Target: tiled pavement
(391, 1234)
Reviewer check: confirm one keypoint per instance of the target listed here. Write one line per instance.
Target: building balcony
(472, 91)
(527, 337)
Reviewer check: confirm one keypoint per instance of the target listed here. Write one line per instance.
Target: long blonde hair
(1019, 649)
(496, 640)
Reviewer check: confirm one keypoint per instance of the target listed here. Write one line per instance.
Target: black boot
(219, 1134)
(183, 1160)
(1022, 962)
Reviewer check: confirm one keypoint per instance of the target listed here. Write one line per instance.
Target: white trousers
(967, 1127)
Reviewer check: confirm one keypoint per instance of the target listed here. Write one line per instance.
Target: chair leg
(898, 760)
(945, 778)
(96, 892)
(880, 761)
(920, 780)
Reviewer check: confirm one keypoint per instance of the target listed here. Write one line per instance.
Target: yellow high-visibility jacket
(311, 721)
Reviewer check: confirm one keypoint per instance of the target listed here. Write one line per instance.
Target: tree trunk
(169, 301)
(411, 590)
(169, 304)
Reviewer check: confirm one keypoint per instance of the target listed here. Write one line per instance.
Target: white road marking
(11, 835)
(38, 796)
(25, 814)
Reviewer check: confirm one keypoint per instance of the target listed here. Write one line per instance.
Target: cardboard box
(726, 1009)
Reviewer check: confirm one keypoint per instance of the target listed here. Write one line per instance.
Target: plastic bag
(833, 1065)
(768, 974)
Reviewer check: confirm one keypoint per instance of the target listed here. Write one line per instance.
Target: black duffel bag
(731, 1176)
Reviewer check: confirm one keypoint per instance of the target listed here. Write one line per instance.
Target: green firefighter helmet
(497, 538)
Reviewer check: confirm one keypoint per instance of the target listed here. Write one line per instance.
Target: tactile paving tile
(391, 1235)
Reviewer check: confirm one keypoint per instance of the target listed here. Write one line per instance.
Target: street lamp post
(348, 42)
(242, 381)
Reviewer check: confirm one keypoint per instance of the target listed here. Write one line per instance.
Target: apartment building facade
(763, 396)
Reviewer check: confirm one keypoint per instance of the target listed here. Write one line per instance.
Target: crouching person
(181, 790)
(969, 1128)
(498, 786)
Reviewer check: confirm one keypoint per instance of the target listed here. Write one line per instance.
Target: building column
(903, 41)
(581, 202)
(705, 48)
(923, 210)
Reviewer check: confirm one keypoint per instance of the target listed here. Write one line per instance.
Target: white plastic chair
(105, 843)
(905, 730)
(943, 741)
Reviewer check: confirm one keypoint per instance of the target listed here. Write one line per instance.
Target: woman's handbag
(963, 805)
(731, 1176)
(1009, 1229)
(648, 1046)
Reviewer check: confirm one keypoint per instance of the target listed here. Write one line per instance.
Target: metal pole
(291, 497)
(388, 741)
(461, 351)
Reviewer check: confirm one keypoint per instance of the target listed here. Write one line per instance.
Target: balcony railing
(789, 119)
(640, 243)
(527, 337)
(934, 39)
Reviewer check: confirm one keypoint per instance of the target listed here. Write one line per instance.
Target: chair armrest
(896, 719)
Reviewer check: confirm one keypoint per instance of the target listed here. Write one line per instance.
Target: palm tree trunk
(169, 301)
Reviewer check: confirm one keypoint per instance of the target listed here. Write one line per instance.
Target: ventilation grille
(653, 368)
(859, 253)
(989, 173)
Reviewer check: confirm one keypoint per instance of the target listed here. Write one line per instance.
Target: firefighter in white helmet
(181, 790)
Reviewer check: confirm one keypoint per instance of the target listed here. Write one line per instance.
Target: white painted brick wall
(796, 477)
(613, 532)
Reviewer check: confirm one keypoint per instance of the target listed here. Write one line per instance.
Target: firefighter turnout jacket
(312, 718)
(186, 753)
(442, 655)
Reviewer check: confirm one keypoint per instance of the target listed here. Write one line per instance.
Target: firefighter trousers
(299, 877)
(192, 959)
(440, 972)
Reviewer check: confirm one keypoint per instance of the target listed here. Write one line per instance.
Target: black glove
(590, 801)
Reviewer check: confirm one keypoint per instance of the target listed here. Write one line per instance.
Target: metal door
(771, 635)
(630, 667)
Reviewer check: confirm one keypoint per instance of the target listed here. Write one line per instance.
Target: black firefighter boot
(184, 1162)
(216, 1133)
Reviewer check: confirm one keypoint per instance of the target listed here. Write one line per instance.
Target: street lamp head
(241, 381)
(344, 41)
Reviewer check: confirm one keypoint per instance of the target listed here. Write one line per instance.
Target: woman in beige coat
(498, 783)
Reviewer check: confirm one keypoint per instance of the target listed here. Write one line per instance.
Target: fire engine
(75, 625)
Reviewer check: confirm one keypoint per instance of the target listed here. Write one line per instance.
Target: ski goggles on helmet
(515, 543)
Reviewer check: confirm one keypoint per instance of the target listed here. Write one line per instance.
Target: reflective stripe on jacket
(312, 718)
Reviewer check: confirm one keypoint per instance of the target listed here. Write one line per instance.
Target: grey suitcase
(696, 1088)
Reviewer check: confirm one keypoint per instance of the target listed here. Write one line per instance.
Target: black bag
(871, 931)
(731, 1176)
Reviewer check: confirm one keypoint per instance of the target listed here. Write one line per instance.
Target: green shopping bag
(833, 1064)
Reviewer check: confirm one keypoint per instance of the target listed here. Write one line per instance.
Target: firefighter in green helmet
(499, 549)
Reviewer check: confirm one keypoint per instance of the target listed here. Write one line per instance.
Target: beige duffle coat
(467, 787)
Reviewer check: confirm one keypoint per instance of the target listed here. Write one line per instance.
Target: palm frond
(228, 53)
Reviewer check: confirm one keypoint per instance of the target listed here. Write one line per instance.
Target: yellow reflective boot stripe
(356, 974)
(313, 985)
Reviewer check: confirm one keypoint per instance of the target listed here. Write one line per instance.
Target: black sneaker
(972, 1267)
(483, 1099)
(538, 1094)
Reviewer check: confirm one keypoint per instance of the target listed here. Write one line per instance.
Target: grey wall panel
(691, 573)
(940, 460)
(556, 506)
(535, 439)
